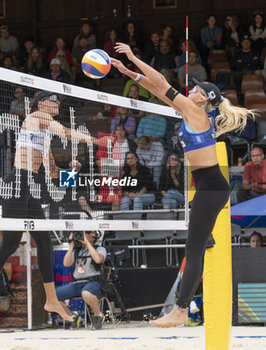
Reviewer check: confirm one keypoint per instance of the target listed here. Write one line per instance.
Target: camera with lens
(78, 236)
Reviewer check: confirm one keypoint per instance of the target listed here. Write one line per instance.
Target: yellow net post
(217, 276)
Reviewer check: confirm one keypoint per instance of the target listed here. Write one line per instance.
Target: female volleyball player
(198, 139)
(31, 152)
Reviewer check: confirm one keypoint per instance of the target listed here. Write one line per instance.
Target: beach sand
(133, 336)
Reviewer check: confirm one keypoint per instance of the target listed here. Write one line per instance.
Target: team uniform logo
(211, 95)
(68, 178)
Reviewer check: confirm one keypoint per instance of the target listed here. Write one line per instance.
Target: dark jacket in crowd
(132, 145)
(151, 51)
(164, 61)
(167, 183)
(63, 76)
(143, 178)
(246, 61)
(228, 40)
(35, 70)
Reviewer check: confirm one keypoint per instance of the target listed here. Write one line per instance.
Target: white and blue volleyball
(96, 64)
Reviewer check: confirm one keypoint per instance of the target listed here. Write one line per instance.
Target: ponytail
(232, 117)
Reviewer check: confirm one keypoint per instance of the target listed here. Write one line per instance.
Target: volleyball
(96, 64)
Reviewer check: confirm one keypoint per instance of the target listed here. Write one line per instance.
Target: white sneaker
(193, 307)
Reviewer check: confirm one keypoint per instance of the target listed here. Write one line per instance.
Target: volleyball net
(67, 159)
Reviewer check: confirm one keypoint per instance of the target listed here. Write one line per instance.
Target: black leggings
(212, 192)
(26, 207)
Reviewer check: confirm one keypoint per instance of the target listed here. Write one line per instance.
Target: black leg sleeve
(44, 252)
(43, 242)
(206, 206)
(12, 208)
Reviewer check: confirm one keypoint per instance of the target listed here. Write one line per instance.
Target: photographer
(87, 276)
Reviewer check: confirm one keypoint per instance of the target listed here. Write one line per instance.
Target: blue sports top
(191, 140)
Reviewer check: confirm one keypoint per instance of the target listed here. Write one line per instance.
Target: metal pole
(144, 211)
(186, 160)
(156, 246)
(163, 246)
(186, 55)
(186, 189)
(145, 307)
(29, 279)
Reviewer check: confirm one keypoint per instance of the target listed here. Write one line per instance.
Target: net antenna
(185, 157)
(187, 56)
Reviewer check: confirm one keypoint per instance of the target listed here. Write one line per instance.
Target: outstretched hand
(124, 48)
(103, 141)
(119, 65)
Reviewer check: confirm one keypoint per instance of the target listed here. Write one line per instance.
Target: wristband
(171, 93)
(138, 78)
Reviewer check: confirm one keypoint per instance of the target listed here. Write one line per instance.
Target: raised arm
(68, 258)
(153, 81)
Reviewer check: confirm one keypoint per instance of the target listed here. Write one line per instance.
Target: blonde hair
(39, 60)
(234, 21)
(178, 167)
(65, 65)
(230, 117)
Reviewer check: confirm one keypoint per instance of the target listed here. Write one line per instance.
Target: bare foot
(56, 307)
(174, 318)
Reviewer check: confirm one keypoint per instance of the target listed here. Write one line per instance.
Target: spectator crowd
(244, 45)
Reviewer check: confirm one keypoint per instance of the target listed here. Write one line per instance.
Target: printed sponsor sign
(69, 224)
(102, 97)
(27, 80)
(134, 224)
(134, 103)
(29, 225)
(104, 226)
(67, 88)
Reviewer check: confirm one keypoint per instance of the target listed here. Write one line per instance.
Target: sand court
(133, 336)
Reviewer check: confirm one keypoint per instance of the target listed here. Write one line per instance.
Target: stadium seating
(216, 56)
(231, 95)
(251, 82)
(219, 67)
